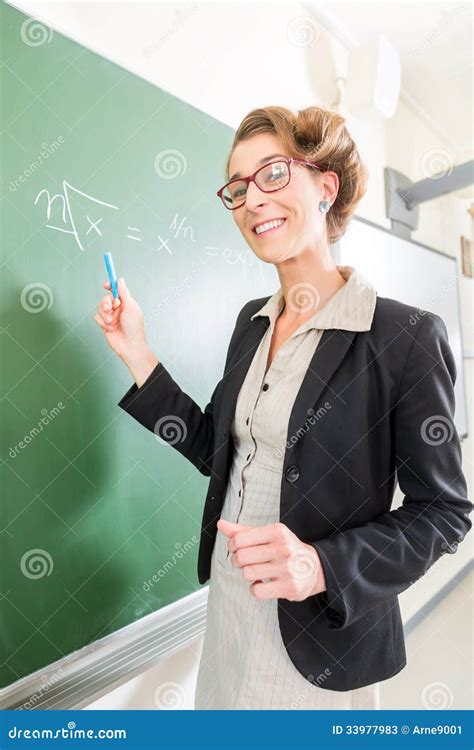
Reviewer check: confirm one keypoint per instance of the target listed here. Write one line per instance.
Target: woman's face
(297, 203)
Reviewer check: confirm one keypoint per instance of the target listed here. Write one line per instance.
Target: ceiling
(434, 42)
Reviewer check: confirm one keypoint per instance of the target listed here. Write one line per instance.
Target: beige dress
(244, 662)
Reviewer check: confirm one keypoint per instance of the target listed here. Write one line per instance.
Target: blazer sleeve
(163, 408)
(371, 563)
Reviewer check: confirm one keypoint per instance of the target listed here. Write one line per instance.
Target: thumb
(229, 529)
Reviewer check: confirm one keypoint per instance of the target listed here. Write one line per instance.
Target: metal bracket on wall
(402, 196)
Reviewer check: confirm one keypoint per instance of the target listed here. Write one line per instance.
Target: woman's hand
(291, 569)
(121, 321)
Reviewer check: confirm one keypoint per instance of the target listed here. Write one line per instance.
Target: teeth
(269, 225)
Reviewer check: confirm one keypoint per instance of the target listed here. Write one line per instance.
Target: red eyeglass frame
(251, 178)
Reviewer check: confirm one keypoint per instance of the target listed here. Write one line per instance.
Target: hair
(319, 136)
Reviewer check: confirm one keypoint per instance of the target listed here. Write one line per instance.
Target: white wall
(183, 48)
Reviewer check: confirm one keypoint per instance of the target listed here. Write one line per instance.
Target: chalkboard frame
(103, 665)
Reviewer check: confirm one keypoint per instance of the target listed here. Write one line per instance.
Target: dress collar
(351, 308)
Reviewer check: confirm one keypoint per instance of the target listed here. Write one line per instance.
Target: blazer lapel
(329, 354)
(238, 368)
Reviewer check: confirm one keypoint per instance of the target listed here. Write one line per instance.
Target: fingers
(262, 553)
(108, 311)
(109, 327)
(109, 308)
(251, 536)
(115, 300)
(260, 572)
(265, 589)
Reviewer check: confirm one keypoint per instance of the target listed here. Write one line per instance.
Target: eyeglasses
(271, 177)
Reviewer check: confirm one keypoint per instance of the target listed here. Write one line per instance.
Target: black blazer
(374, 406)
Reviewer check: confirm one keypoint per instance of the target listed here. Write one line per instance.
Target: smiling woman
(304, 580)
(313, 138)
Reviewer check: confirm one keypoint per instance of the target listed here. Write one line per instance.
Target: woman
(327, 397)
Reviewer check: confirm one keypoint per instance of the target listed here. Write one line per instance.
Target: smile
(271, 226)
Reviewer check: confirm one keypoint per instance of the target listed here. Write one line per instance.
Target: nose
(254, 196)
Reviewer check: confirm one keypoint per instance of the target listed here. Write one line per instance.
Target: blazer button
(292, 473)
(265, 387)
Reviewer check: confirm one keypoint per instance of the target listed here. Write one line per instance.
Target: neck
(308, 282)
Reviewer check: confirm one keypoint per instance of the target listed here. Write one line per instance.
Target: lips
(273, 229)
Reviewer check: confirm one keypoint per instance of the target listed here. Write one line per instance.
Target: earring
(324, 206)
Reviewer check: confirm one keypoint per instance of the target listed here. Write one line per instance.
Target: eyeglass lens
(270, 177)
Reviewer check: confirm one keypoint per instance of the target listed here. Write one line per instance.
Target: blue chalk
(109, 264)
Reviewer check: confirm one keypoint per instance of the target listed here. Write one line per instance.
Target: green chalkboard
(96, 159)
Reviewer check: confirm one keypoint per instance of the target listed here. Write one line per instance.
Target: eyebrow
(261, 161)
